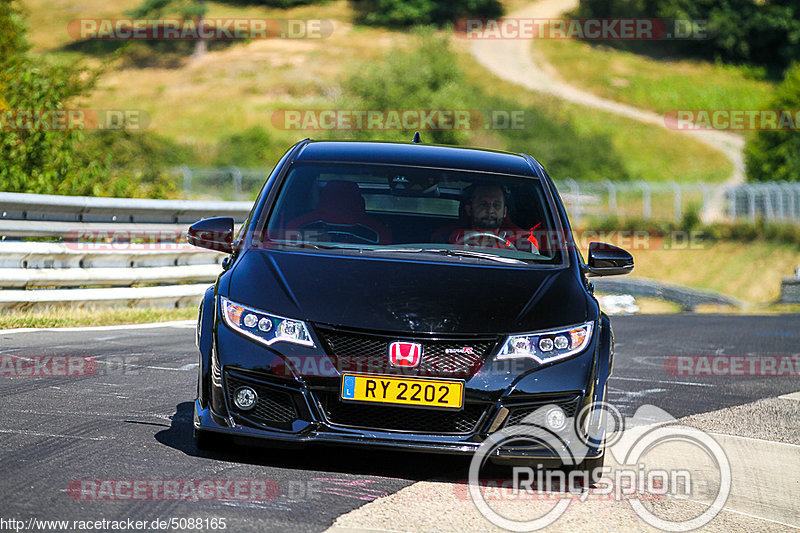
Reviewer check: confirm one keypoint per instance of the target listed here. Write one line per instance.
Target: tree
(775, 154)
(35, 158)
(185, 9)
(405, 13)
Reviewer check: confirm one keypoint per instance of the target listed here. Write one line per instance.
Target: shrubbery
(740, 231)
(765, 33)
(428, 76)
(251, 148)
(139, 164)
(775, 154)
(35, 159)
(405, 13)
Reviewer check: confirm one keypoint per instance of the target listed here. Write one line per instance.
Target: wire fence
(777, 201)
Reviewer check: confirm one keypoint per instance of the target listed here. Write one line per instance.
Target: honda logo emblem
(405, 353)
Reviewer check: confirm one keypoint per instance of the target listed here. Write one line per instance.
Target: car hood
(406, 296)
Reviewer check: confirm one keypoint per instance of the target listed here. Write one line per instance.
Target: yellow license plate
(403, 391)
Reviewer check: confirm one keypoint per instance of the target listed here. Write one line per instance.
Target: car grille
(417, 420)
(368, 353)
(525, 414)
(273, 405)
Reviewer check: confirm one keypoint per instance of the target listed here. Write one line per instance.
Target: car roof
(422, 155)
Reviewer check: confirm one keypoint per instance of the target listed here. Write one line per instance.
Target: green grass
(750, 272)
(657, 85)
(241, 86)
(66, 317)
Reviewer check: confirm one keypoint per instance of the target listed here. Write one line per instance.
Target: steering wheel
(470, 238)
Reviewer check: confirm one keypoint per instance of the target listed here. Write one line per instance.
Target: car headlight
(547, 346)
(264, 327)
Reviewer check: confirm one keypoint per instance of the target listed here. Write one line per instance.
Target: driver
(486, 212)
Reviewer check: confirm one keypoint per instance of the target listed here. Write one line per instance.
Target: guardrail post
(781, 211)
(612, 197)
(646, 211)
(187, 180)
(751, 207)
(677, 201)
(732, 195)
(791, 190)
(575, 191)
(236, 174)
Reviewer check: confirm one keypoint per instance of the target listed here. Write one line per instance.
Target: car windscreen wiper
(312, 245)
(453, 253)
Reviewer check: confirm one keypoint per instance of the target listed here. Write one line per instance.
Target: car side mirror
(212, 233)
(608, 260)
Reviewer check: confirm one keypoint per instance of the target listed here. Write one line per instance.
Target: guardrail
(104, 251)
(124, 252)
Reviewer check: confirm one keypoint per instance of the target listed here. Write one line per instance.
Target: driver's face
(487, 209)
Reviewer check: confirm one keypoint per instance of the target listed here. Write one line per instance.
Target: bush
(406, 13)
(759, 32)
(251, 148)
(428, 77)
(139, 164)
(775, 154)
(425, 78)
(39, 160)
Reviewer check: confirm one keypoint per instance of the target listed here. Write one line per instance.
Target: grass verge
(648, 153)
(751, 272)
(653, 84)
(68, 317)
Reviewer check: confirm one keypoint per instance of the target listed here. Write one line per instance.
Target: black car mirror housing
(607, 260)
(212, 233)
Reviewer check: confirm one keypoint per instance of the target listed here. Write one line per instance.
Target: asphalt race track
(131, 420)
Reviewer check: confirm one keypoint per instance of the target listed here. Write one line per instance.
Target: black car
(400, 295)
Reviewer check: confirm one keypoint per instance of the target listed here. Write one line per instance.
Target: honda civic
(405, 296)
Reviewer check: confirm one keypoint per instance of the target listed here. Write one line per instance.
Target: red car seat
(341, 214)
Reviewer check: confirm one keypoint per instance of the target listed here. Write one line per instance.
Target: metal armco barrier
(96, 252)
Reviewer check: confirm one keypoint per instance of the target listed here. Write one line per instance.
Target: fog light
(556, 419)
(245, 398)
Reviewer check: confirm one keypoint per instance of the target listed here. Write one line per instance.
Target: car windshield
(402, 210)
